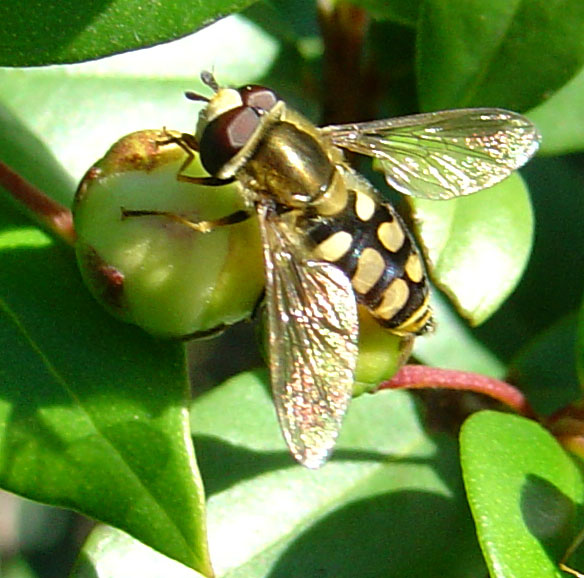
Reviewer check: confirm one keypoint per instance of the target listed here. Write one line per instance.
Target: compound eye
(258, 97)
(225, 136)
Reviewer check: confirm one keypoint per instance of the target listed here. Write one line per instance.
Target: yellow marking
(364, 206)
(334, 199)
(414, 268)
(417, 320)
(394, 299)
(333, 248)
(224, 100)
(370, 267)
(391, 235)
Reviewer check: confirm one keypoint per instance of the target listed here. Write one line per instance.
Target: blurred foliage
(94, 414)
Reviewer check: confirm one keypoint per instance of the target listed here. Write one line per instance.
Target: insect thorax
(290, 163)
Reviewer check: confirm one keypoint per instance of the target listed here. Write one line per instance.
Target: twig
(422, 377)
(347, 91)
(50, 214)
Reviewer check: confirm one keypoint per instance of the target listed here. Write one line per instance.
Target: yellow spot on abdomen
(333, 248)
(391, 235)
(364, 206)
(414, 268)
(370, 267)
(394, 299)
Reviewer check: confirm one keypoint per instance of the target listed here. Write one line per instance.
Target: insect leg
(207, 181)
(205, 333)
(200, 226)
(188, 143)
(563, 563)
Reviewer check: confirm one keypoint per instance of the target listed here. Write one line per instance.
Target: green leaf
(507, 53)
(470, 354)
(561, 118)
(87, 107)
(580, 345)
(109, 553)
(268, 516)
(291, 21)
(92, 412)
(385, 475)
(16, 567)
(551, 287)
(26, 154)
(72, 31)
(523, 491)
(477, 246)
(545, 368)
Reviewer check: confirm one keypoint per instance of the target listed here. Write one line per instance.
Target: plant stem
(348, 87)
(422, 377)
(47, 212)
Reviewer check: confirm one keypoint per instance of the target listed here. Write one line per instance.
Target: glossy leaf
(92, 413)
(73, 31)
(291, 21)
(470, 354)
(551, 287)
(385, 474)
(524, 491)
(545, 368)
(561, 118)
(511, 54)
(115, 374)
(27, 154)
(269, 516)
(109, 553)
(478, 246)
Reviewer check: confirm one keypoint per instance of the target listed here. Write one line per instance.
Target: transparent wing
(313, 331)
(441, 155)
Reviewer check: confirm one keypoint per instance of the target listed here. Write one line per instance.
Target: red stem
(422, 377)
(52, 215)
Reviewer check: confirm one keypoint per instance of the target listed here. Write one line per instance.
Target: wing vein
(444, 154)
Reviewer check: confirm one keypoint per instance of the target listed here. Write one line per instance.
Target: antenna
(208, 79)
(196, 96)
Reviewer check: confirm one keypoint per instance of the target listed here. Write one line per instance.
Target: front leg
(199, 226)
(188, 143)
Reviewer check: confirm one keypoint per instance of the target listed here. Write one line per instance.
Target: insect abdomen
(369, 242)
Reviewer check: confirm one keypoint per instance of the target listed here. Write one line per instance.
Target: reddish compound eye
(258, 97)
(225, 136)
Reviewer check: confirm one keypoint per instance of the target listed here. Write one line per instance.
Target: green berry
(153, 271)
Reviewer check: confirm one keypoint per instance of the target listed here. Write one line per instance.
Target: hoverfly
(330, 243)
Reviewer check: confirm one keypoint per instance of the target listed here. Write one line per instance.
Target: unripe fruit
(150, 270)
